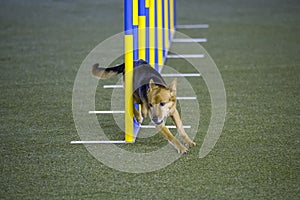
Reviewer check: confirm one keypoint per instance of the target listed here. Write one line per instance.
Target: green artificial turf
(255, 45)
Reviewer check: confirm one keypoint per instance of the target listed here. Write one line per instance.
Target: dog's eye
(162, 104)
(150, 105)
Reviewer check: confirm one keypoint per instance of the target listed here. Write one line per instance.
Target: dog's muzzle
(156, 121)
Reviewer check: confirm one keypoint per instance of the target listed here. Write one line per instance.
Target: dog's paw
(192, 144)
(182, 150)
(139, 119)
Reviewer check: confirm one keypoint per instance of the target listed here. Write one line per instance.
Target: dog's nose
(155, 119)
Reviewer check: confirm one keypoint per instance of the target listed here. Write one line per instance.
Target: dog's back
(142, 75)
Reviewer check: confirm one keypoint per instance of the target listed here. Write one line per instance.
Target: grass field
(255, 45)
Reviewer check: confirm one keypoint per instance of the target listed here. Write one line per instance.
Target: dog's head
(162, 101)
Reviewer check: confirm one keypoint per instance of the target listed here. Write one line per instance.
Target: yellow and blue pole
(128, 54)
(156, 37)
(135, 23)
(174, 7)
(159, 30)
(142, 29)
(166, 27)
(152, 32)
(147, 6)
(172, 18)
(169, 20)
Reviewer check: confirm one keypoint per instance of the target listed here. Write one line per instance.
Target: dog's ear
(172, 87)
(151, 84)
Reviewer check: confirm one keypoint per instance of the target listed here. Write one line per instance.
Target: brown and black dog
(153, 94)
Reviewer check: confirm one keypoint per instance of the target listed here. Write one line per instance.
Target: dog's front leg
(176, 118)
(137, 115)
(170, 137)
(144, 109)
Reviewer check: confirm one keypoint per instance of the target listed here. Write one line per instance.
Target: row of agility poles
(149, 26)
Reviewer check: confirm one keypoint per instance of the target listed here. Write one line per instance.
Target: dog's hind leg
(170, 137)
(176, 118)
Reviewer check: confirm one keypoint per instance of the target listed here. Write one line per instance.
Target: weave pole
(149, 26)
(142, 29)
(128, 56)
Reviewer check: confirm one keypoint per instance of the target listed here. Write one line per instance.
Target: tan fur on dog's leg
(144, 110)
(137, 115)
(170, 137)
(176, 118)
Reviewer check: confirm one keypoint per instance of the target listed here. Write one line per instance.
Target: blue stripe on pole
(147, 35)
(156, 38)
(163, 30)
(135, 43)
(169, 20)
(175, 22)
(142, 9)
(128, 17)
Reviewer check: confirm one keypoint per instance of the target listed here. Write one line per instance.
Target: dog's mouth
(157, 123)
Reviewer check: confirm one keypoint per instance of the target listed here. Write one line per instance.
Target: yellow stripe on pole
(152, 33)
(135, 9)
(166, 19)
(160, 32)
(147, 3)
(142, 37)
(172, 16)
(129, 129)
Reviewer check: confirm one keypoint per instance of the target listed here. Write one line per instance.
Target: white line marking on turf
(189, 40)
(180, 75)
(186, 98)
(187, 26)
(152, 126)
(186, 56)
(112, 86)
(101, 142)
(107, 112)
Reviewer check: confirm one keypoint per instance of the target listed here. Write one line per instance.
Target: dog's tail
(104, 73)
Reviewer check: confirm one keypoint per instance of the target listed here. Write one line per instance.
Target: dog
(155, 97)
